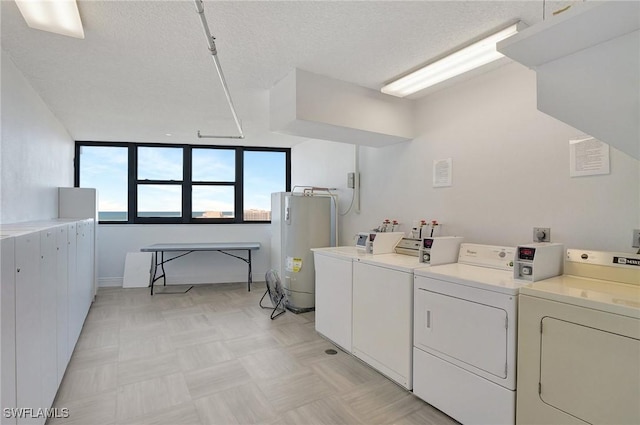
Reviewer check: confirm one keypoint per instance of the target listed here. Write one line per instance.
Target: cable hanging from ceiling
(214, 54)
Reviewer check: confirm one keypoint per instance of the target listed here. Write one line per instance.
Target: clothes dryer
(464, 355)
(579, 343)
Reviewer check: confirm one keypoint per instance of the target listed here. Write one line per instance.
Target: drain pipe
(214, 54)
(356, 185)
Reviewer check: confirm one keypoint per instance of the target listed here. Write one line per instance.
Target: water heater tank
(307, 224)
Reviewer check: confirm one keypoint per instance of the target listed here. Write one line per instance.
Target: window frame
(186, 183)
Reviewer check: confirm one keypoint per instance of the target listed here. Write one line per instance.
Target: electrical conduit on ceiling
(214, 54)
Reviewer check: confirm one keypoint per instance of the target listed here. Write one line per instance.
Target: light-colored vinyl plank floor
(213, 356)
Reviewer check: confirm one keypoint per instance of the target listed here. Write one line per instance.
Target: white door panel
(383, 317)
(334, 299)
(577, 365)
(473, 333)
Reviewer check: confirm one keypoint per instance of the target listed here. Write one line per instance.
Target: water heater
(307, 224)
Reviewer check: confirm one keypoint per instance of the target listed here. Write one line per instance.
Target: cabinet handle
(18, 270)
(428, 319)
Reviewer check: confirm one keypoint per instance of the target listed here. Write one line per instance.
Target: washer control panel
(538, 261)
(439, 250)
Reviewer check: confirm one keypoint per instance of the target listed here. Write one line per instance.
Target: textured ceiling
(144, 70)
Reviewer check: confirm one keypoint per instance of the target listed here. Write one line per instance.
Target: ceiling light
(58, 16)
(466, 59)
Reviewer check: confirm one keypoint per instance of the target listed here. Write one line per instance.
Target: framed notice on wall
(587, 157)
(442, 171)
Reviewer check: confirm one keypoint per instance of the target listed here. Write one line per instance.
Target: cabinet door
(62, 329)
(29, 346)
(8, 327)
(85, 270)
(75, 324)
(334, 299)
(92, 261)
(383, 320)
(48, 315)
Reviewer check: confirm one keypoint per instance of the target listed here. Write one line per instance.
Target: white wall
(510, 172)
(114, 241)
(36, 151)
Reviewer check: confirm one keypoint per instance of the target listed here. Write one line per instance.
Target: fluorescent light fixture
(466, 59)
(58, 16)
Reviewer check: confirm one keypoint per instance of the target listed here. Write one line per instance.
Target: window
(213, 177)
(162, 183)
(106, 169)
(159, 182)
(264, 173)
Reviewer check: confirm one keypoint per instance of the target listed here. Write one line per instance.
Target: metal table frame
(188, 248)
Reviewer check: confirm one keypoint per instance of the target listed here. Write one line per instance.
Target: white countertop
(478, 277)
(612, 297)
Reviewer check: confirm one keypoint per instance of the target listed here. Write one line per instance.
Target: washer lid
(346, 252)
(401, 262)
(604, 295)
(478, 277)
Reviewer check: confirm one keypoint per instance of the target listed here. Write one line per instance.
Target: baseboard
(188, 280)
(109, 281)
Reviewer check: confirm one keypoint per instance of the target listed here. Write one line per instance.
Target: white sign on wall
(587, 157)
(442, 170)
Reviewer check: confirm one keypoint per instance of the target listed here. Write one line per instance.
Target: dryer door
(467, 333)
(590, 373)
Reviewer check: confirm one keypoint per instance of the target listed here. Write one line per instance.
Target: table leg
(249, 278)
(155, 270)
(164, 274)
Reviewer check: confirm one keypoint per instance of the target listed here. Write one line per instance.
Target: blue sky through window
(106, 169)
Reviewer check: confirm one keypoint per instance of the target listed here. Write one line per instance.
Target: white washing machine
(579, 343)
(464, 356)
(383, 309)
(334, 292)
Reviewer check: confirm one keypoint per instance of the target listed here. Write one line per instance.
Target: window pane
(159, 163)
(264, 173)
(212, 202)
(159, 200)
(213, 165)
(105, 168)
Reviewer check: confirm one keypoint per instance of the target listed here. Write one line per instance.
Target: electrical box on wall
(351, 180)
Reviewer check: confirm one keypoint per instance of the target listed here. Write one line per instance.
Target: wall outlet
(636, 238)
(351, 180)
(542, 234)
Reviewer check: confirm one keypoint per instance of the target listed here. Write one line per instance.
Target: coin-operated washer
(383, 305)
(579, 342)
(465, 332)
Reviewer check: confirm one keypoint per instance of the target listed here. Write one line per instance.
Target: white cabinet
(383, 320)
(45, 294)
(81, 285)
(62, 300)
(72, 287)
(8, 327)
(587, 66)
(334, 283)
(48, 289)
(81, 203)
(29, 332)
